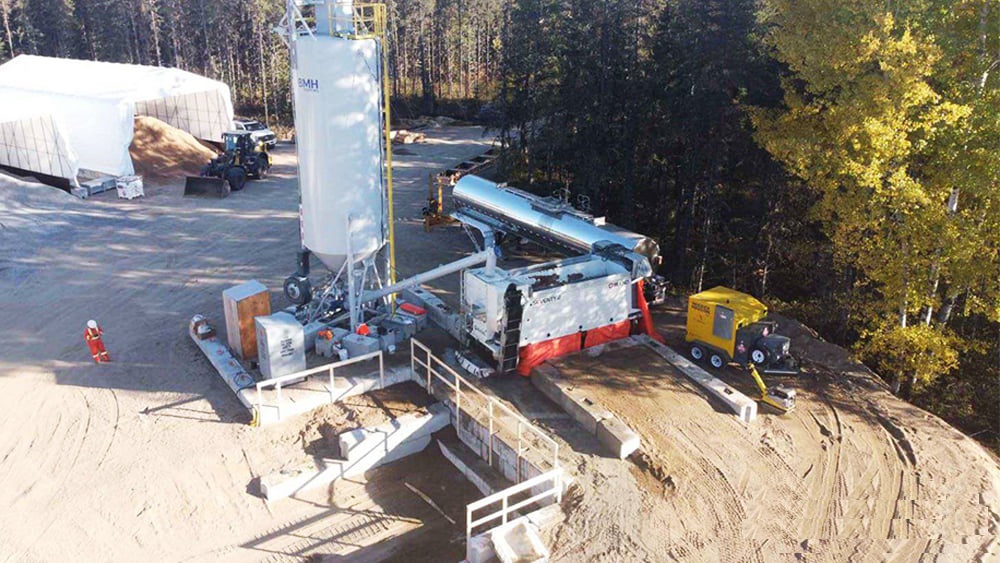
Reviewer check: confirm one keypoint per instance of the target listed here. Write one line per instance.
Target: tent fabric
(36, 143)
(94, 104)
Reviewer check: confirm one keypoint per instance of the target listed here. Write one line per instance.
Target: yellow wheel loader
(243, 158)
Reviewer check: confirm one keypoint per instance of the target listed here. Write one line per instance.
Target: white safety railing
(498, 416)
(552, 478)
(278, 382)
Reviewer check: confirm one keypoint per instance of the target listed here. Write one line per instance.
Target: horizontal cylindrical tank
(546, 219)
(339, 142)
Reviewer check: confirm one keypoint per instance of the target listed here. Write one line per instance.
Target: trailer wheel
(759, 356)
(697, 353)
(716, 361)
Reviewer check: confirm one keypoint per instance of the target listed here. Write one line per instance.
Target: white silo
(345, 182)
(338, 127)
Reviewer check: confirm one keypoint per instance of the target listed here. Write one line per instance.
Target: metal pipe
(548, 221)
(429, 275)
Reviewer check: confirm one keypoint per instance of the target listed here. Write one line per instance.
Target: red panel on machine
(535, 354)
(647, 319)
(607, 333)
(413, 309)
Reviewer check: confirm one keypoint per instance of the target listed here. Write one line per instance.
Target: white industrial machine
(338, 70)
(339, 80)
(557, 306)
(508, 310)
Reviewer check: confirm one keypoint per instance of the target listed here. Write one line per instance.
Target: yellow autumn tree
(860, 124)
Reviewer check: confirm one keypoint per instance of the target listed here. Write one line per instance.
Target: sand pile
(161, 151)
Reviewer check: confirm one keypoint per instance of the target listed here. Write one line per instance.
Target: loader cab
(239, 142)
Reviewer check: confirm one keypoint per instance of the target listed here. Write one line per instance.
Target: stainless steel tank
(546, 220)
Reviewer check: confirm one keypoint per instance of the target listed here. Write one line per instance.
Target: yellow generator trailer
(725, 326)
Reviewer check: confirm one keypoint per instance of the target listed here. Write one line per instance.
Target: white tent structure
(32, 140)
(58, 116)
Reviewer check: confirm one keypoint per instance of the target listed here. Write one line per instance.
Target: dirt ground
(149, 457)
(323, 426)
(852, 474)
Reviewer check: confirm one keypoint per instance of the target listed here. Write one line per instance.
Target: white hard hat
(91, 324)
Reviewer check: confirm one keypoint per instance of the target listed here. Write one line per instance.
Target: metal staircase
(510, 336)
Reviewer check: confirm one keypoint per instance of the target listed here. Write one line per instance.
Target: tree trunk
(704, 253)
(5, 12)
(944, 314)
(426, 84)
(263, 74)
(907, 388)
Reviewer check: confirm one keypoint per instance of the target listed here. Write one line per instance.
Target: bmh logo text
(309, 84)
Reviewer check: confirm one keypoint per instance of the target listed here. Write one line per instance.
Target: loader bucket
(206, 186)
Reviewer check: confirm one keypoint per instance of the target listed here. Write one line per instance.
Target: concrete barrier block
(367, 448)
(469, 473)
(614, 435)
(480, 550)
(406, 448)
(572, 400)
(744, 407)
(517, 542)
(284, 484)
(363, 449)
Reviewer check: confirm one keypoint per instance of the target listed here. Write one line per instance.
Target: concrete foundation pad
(617, 437)
(744, 407)
(366, 449)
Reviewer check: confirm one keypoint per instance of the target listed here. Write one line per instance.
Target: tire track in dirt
(50, 466)
(819, 513)
(114, 430)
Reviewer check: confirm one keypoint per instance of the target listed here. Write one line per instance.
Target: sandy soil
(852, 474)
(162, 152)
(149, 457)
(320, 433)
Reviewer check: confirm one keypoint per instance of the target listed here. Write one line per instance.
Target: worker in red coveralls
(93, 335)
